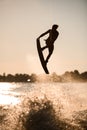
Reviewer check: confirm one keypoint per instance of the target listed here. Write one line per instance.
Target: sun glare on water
(6, 97)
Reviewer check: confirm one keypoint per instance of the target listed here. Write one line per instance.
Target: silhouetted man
(53, 34)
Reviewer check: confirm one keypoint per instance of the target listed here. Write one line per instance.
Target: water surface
(69, 101)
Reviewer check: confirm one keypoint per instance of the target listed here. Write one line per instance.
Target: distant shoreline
(72, 76)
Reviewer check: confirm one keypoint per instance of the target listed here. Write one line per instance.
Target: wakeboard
(43, 63)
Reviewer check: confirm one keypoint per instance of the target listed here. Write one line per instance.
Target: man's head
(55, 26)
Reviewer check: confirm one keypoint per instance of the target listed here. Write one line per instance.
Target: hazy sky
(22, 21)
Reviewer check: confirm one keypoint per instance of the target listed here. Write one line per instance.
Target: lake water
(43, 106)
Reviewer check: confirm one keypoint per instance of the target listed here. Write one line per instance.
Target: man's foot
(42, 48)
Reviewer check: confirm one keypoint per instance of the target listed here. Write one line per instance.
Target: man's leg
(50, 53)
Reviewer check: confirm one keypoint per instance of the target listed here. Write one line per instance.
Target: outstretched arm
(43, 34)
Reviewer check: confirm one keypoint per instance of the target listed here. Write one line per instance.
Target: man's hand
(38, 38)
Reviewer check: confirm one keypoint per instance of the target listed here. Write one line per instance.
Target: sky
(22, 21)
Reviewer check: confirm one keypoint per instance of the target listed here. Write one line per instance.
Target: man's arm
(43, 34)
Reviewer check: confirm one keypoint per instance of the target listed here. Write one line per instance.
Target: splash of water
(46, 107)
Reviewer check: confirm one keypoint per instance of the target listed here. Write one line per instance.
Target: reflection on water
(6, 96)
(6, 100)
(43, 106)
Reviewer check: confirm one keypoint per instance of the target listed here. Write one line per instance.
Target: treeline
(72, 76)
